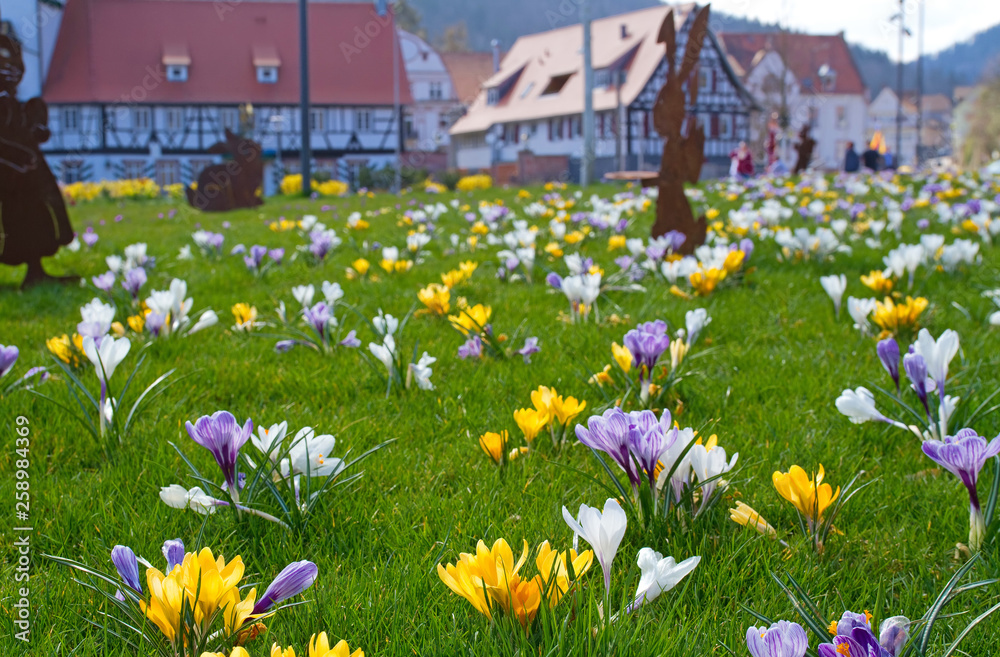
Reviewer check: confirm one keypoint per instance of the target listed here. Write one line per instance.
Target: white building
(802, 79)
(882, 117)
(434, 97)
(535, 101)
(145, 88)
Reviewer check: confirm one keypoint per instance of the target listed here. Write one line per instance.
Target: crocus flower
(276, 255)
(888, 353)
(473, 348)
(781, 639)
(105, 281)
(646, 440)
(530, 347)
(602, 530)
(106, 357)
(89, 238)
(554, 280)
(916, 371)
(173, 552)
(220, 434)
(859, 407)
(938, 354)
(304, 294)
(659, 574)
(268, 439)
(494, 444)
(647, 342)
(609, 433)
(854, 636)
(319, 317)
(134, 280)
(312, 454)
(708, 463)
(745, 515)
(178, 497)
(810, 497)
(295, 578)
(695, 320)
(421, 371)
(351, 340)
(964, 455)
(835, 287)
(127, 566)
(8, 356)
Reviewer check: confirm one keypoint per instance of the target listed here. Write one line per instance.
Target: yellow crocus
(137, 323)
(278, 651)
(678, 349)
(810, 496)
(471, 320)
(554, 250)
(475, 574)
(746, 516)
(530, 422)
(494, 445)
(566, 409)
(542, 401)
(319, 646)
(61, 348)
(436, 297)
(602, 377)
(704, 281)
(892, 316)
(734, 260)
(238, 651)
(877, 282)
(245, 316)
(361, 266)
(554, 568)
(574, 237)
(616, 242)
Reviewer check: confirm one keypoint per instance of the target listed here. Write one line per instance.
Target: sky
(868, 22)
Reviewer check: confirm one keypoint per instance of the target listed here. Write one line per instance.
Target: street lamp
(277, 127)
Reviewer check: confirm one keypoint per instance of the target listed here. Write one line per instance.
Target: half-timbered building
(535, 101)
(146, 87)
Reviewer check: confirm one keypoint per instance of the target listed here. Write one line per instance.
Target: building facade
(147, 87)
(534, 102)
(801, 79)
(882, 117)
(434, 98)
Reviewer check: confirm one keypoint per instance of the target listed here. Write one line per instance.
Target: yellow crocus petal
(622, 356)
(530, 422)
(746, 516)
(494, 445)
(436, 297)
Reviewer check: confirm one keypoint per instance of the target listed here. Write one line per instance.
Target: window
(492, 96)
(229, 117)
(317, 120)
(841, 117)
(168, 172)
(175, 118)
(363, 120)
(140, 118)
(71, 119)
(725, 126)
(704, 80)
(511, 133)
(556, 84)
(607, 77)
(436, 91)
(267, 74)
(177, 73)
(575, 127)
(133, 169)
(72, 171)
(556, 129)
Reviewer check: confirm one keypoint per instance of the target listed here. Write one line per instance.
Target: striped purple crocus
(294, 579)
(127, 566)
(609, 433)
(220, 434)
(318, 317)
(888, 353)
(173, 552)
(8, 356)
(781, 639)
(647, 342)
(964, 455)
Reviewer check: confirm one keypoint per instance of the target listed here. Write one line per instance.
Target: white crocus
(304, 294)
(114, 263)
(207, 318)
(390, 253)
(384, 352)
(937, 354)
(835, 287)
(332, 292)
(709, 464)
(695, 320)
(268, 439)
(178, 497)
(860, 310)
(421, 371)
(602, 530)
(385, 325)
(107, 356)
(310, 453)
(859, 407)
(673, 461)
(659, 574)
(99, 312)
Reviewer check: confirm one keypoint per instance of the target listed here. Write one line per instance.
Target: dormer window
(177, 73)
(496, 93)
(267, 62)
(176, 60)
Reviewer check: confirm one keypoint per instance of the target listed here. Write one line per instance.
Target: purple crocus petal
(104, 282)
(173, 552)
(223, 437)
(849, 621)
(238, 249)
(127, 566)
(154, 323)
(284, 346)
(249, 262)
(134, 280)
(530, 347)
(8, 356)
(677, 239)
(827, 650)
(608, 433)
(89, 238)
(916, 371)
(257, 252)
(293, 580)
(554, 280)
(888, 353)
(351, 341)
(473, 348)
(624, 262)
(276, 254)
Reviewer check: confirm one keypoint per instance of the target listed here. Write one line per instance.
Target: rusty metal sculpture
(805, 149)
(33, 218)
(236, 183)
(683, 150)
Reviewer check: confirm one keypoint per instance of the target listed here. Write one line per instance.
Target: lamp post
(587, 163)
(304, 90)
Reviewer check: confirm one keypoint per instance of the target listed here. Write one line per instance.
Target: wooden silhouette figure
(683, 150)
(33, 218)
(805, 150)
(234, 183)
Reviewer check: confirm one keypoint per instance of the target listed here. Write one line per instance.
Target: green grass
(767, 388)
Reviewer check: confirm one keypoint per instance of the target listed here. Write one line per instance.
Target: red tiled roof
(113, 51)
(804, 54)
(468, 71)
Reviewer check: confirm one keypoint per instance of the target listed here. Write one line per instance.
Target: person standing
(851, 160)
(742, 161)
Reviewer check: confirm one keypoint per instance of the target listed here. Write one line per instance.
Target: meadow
(763, 377)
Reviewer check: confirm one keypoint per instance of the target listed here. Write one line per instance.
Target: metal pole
(920, 82)
(618, 121)
(398, 184)
(899, 87)
(587, 162)
(304, 88)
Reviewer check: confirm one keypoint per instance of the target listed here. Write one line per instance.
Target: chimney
(625, 33)
(496, 54)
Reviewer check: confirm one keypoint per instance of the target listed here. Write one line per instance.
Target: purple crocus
(89, 238)
(473, 348)
(916, 370)
(320, 244)
(8, 356)
(782, 639)
(294, 579)
(220, 434)
(647, 342)
(888, 353)
(134, 280)
(154, 323)
(964, 455)
(855, 635)
(530, 347)
(127, 566)
(318, 317)
(746, 246)
(609, 433)
(284, 346)
(646, 441)
(554, 280)
(351, 340)
(173, 552)
(276, 255)
(676, 240)
(104, 282)
(238, 249)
